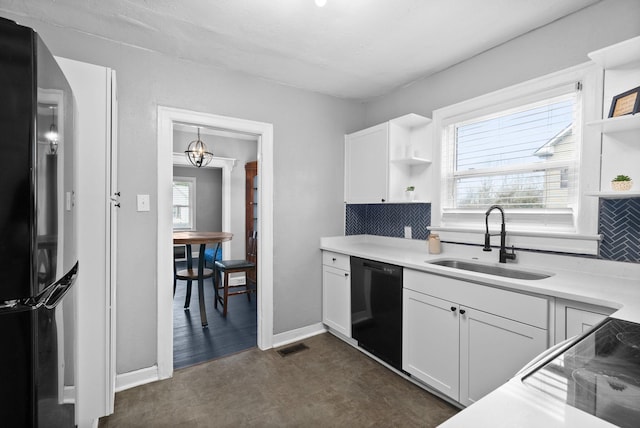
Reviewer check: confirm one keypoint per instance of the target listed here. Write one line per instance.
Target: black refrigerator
(38, 261)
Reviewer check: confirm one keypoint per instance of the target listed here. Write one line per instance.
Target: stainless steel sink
(490, 269)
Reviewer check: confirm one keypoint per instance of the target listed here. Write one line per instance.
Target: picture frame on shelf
(625, 103)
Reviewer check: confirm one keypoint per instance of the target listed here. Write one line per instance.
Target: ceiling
(355, 49)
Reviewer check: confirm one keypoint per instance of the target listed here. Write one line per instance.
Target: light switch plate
(143, 203)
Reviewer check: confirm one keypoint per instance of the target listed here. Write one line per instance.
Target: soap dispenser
(434, 244)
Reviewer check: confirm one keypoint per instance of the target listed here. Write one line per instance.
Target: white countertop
(599, 282)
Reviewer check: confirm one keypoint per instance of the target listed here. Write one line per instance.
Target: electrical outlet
(407, 232)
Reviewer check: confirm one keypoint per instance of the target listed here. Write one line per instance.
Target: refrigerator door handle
(60, 290)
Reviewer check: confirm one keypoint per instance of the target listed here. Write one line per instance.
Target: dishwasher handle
(383, 268)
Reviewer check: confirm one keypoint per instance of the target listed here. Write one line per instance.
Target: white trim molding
(167, 117)
(301, 333)
(136, 378)
(545, 241)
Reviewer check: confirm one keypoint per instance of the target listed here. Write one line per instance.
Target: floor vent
(289, 350)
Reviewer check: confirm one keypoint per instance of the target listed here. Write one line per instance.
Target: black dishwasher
(376, 309)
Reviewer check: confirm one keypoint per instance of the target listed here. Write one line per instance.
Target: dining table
(189, 238)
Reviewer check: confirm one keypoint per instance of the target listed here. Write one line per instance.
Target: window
(528, 149)
(520, 158)
(184, 203)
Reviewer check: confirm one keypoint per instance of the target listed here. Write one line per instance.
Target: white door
(96, 113)
(366, 166)
(492, 350)
(336, 299)
(430, 341)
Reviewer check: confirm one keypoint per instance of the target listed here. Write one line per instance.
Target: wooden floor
(193, 344)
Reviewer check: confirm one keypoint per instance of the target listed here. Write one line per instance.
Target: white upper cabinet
(382, 161)
(367, 165)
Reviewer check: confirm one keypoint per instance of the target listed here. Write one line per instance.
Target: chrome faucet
(504, 256)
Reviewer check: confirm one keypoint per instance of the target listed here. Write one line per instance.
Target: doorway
(202, 198)
(167, 118)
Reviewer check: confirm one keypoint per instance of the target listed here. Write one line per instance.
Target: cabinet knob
(334, 259)
(382, 200)
(346, 274)
(453, 308)
(462, 311)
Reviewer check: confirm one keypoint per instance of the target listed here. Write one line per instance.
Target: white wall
(308, 150)
(559, 45)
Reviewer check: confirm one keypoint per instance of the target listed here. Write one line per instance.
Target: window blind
(181, 191)
(183, 201)
(524, 157)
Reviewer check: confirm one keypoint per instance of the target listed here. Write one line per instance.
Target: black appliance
(599, 375)
(376, 309)
(38, 263)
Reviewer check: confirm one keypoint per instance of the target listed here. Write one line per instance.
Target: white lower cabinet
(466, 339)
(336, 292)
(574, 318)
(431, 354)
(492, 350)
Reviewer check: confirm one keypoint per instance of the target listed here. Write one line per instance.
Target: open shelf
(412, 161)
(615, 195)
(617, 124)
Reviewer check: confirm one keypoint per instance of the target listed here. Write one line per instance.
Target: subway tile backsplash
(619, 224)
(388, 219)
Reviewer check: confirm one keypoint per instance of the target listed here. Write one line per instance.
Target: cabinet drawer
(337, 260)
(524, 308)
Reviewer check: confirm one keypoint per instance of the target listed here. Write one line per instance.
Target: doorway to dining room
(168, 118)
(198, 205)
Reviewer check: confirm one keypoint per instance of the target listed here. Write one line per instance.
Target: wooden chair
(224, 267)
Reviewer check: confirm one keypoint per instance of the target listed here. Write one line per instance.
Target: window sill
(564, 242)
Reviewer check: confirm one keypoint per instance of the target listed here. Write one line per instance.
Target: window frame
(192, 202)
(553, 230)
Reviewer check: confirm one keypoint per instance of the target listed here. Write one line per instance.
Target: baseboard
(237, 280)
(136, 378)
(301, 333)
(69, 395)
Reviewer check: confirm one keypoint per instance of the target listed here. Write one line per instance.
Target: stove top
(599, 375)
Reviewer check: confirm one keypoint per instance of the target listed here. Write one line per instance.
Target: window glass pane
(515, 138)
(182, 204)
(538, 189)
(520, 158)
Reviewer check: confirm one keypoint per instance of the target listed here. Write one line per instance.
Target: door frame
(264, 133)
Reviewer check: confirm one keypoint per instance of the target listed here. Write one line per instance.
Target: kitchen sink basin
(490, 269)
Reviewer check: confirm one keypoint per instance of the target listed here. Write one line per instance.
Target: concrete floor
(330, 384)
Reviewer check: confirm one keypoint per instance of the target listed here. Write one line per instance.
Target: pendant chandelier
(197, 153)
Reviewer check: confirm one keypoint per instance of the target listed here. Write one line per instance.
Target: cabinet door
(575, 318)
(578, 321)
(336, 299)
(492, 350)
(430, 341)
(366, 165)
